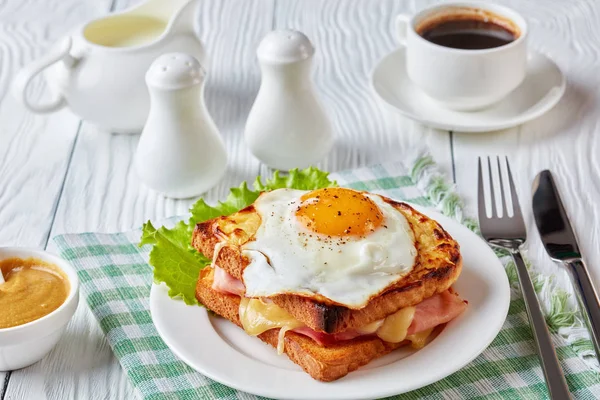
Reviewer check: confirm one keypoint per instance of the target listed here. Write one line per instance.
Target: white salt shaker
(180, 153)
(287, 126)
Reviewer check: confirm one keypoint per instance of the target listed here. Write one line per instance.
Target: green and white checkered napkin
(116, 280)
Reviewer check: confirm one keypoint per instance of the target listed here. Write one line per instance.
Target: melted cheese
(281, 338)
(395, 326)
(258, 317)
(419, 340)
(218, 247)
(370, 328)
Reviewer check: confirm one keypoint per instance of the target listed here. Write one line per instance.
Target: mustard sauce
(32, 289)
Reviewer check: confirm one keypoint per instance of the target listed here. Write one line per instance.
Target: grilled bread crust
(437, 266)
(324, 363)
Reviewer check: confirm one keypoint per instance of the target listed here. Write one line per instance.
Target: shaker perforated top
(175, 71)
(285, 46)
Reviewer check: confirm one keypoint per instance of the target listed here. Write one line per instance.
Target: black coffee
(469, 34)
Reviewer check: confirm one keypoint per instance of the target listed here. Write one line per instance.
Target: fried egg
(345, 245)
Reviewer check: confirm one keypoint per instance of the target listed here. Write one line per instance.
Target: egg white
(286, 257)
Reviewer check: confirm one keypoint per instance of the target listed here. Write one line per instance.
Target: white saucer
(542, 88)
(223, 352)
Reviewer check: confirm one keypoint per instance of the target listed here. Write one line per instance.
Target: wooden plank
(34, 149)
(566, 140)
(102, 193)
(350, 37)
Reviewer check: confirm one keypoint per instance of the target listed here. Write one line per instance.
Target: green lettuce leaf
(237, 199)
(307, 179)
(175, 261)
(178, 264)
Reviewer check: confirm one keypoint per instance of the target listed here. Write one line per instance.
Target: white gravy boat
(98, 71)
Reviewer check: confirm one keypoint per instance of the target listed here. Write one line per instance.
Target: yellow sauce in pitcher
(32, 289)
(124, 31)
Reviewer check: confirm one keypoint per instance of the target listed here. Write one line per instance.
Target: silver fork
(509, 233)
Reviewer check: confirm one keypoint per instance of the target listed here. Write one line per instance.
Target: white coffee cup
(460, 79)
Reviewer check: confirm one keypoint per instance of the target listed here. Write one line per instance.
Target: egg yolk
(339, 212)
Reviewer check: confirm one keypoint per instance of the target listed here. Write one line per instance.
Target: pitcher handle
(402, 22)
(28, 72)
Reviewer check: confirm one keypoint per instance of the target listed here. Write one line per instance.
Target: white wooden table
(59, 174)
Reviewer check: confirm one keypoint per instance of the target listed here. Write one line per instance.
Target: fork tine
(513, 193)
(480, 193)
(502, 197)
(492, 195)
(511, 234)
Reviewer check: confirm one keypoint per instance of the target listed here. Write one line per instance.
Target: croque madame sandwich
(334, 278)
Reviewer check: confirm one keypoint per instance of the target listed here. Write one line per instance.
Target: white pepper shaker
(287, 126)
(180, 153)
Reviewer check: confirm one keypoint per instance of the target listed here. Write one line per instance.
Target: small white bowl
(23, 345)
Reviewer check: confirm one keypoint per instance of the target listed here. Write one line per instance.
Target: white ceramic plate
(542, 88)
(220, 350)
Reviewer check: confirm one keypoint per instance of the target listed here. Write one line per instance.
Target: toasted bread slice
(322, 363)
(437, 266)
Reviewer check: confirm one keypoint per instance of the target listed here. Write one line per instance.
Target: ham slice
(225, 283)
(436, 310)
(319, 337)
(325, 338)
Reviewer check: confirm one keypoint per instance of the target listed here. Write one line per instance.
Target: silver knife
(560, 243)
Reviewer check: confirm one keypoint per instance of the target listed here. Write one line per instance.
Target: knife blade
(561, 244)
(551, 219)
